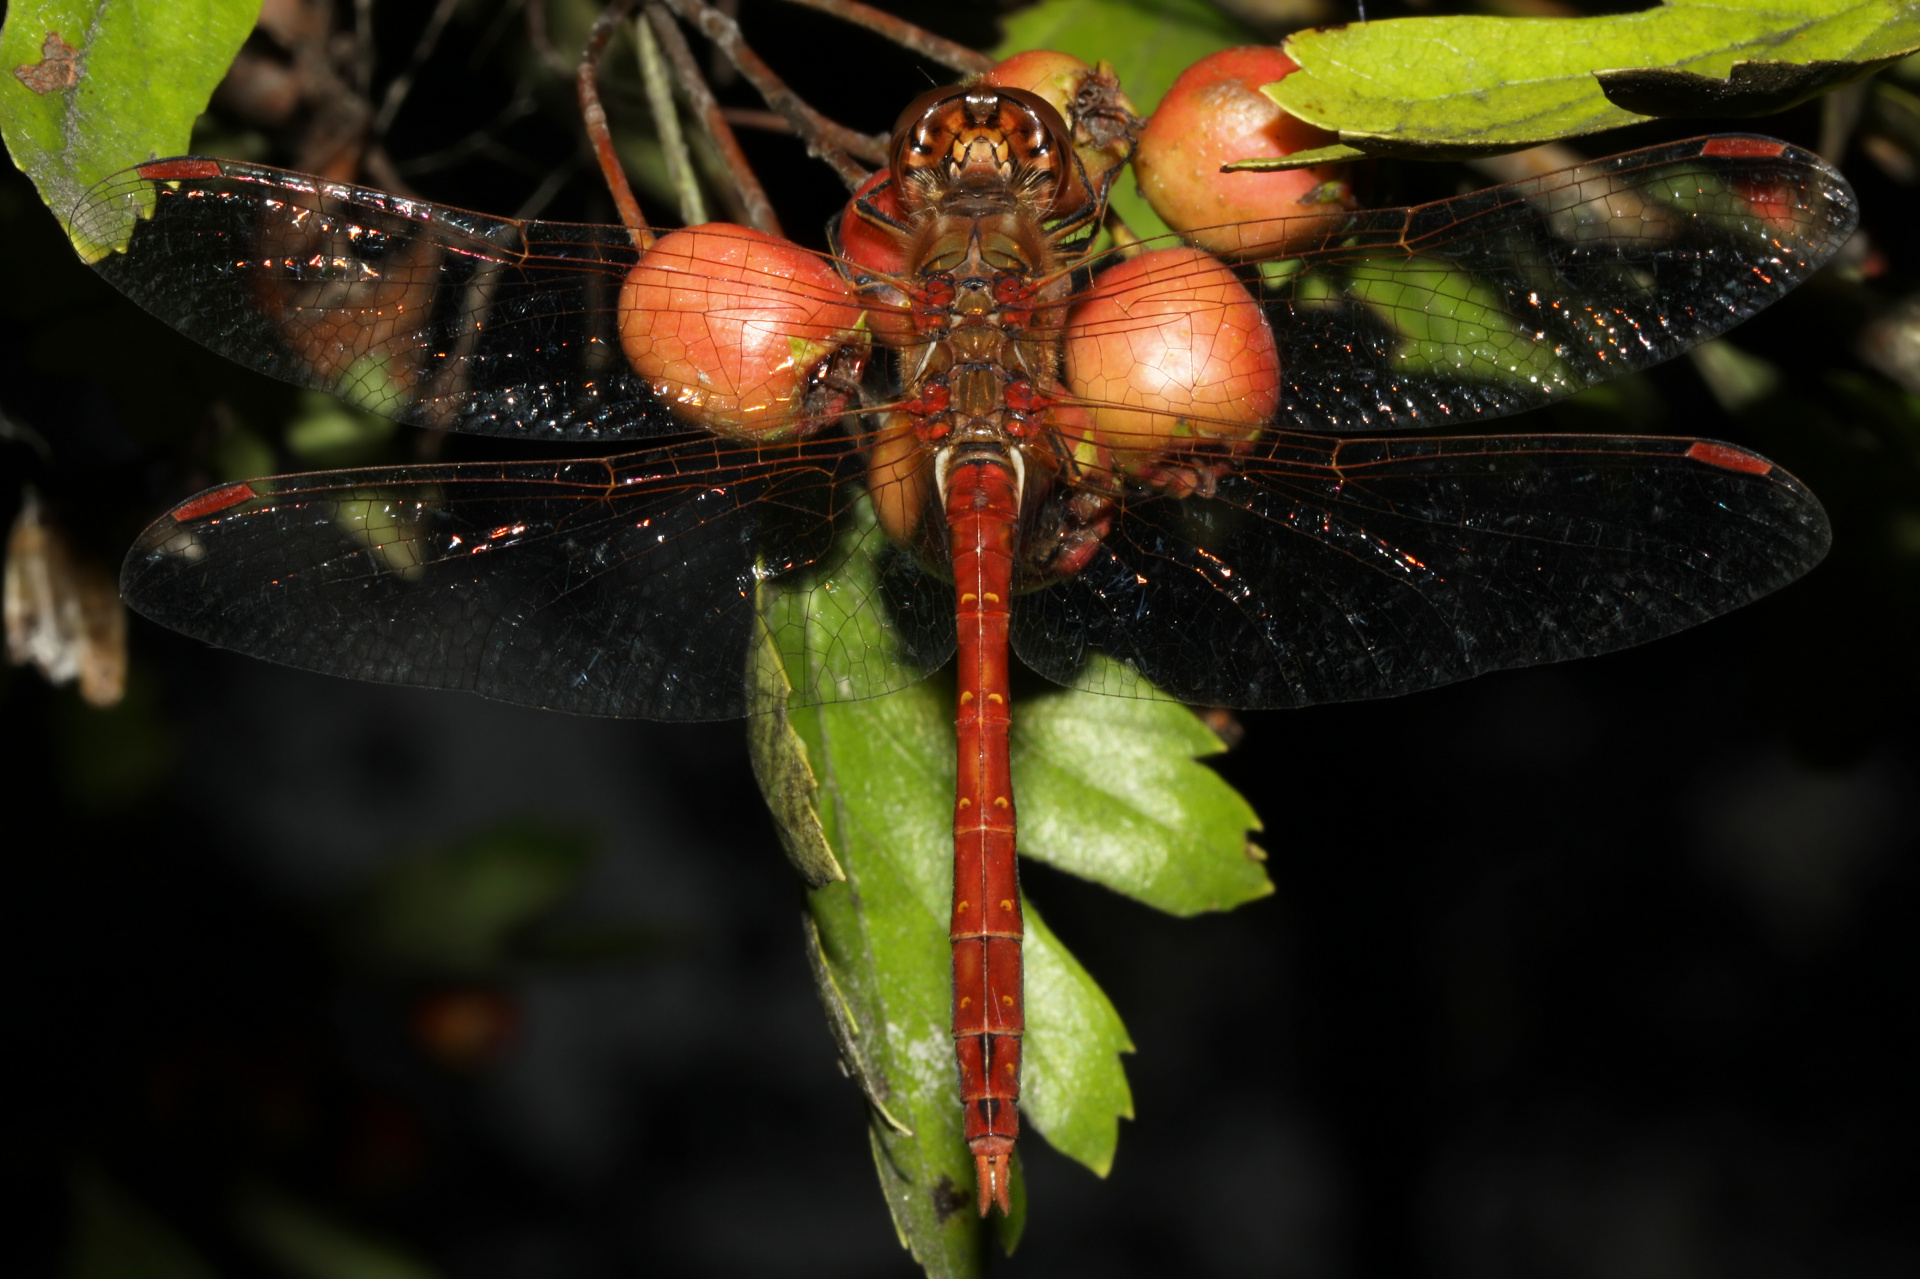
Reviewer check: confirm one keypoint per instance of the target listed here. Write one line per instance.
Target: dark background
(1598, 970)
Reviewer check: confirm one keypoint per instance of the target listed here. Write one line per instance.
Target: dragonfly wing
(1506, 299)
(435, 316)
(1331, 571)
(624, 586)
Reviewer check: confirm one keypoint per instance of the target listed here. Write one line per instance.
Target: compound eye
(1020, 127)
(1059, 138)
(918, 109)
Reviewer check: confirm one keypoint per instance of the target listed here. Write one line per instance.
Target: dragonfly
(1134, 469)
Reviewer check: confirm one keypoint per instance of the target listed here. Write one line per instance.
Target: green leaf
(1448, 320)
(115, 1236)
(1108, 788)
(327, 432)
(880, 776)
(844, 1026)
(1072, 1088)
(883, 793)
(785, 775)
(1436, 87)
(97, 85)
(1149, 43)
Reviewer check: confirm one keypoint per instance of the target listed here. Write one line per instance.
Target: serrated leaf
(1435, 87)
(1073, 1089)
(882, 776)
(785, 776)
(1149, 43)
(1108, 788)
(94, 86)
(845, 1029)
(882, 790)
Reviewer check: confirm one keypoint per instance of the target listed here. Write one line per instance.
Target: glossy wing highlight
(1506, 299)
(1330, 570)
(434, 316)
(625, 586)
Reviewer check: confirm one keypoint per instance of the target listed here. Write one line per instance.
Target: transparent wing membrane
(1506, 299)
(436, 316)
(630, 586)
(1333, 570)
(1323, 567)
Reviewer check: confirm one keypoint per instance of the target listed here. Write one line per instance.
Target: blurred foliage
(305, 1244)
(117, 1237)
(328, 433)
(115, 757)
(463, 909)
(484, 907)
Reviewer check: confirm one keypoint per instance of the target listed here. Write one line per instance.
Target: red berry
(465, 1027)
(877, 256)
(899, 478)
(867, 244)
(1215, 114)
(1169, 352)
(730, 325)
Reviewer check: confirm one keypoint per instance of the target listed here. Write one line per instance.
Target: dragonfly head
(983, 139)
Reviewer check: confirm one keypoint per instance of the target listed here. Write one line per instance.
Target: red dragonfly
(1238, 534)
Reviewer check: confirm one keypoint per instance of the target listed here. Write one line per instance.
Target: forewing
(1333, 570)
(436, 316)
(1506, 299)
(625, 586)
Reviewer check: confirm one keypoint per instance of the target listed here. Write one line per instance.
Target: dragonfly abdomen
(982, 504)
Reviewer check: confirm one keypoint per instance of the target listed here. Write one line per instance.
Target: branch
(905, 34)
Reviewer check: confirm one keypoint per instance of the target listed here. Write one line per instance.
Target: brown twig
(720, 72)
(542, 45)
(755, 207)
(484, 140)
(754, 118)
(586, 82)
(363, 47)
(452, 384)
(381, 170)
(905, 34)
(826, 139)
